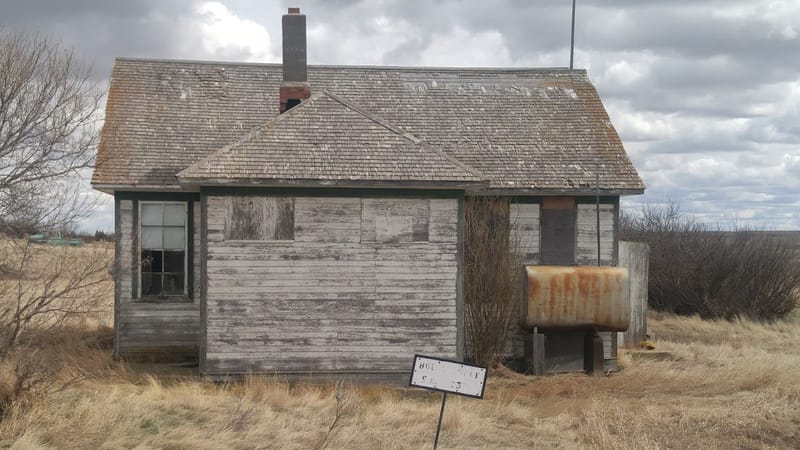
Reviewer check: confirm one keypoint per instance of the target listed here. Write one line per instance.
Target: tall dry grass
(727, 385)
(723, 385)
(46, 294)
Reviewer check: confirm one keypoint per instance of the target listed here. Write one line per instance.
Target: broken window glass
(163, 251)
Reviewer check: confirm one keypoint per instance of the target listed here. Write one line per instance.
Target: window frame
(175, 298)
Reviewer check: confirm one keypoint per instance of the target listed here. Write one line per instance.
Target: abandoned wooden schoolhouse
(296, 219)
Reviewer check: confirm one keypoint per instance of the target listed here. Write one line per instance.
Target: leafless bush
(45, 291)
(492, 278)
(700, 269)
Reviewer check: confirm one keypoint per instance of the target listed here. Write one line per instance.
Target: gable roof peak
(326, 138)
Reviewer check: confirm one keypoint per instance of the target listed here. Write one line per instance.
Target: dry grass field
(726, 385)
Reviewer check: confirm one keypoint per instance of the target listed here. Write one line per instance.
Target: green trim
(158, 196)
(203, 332)
(525, 199)
(189, 198)
(332, 192)
(135, 274)
(615, 249)
(460, 349)
(117, 273)
(582, 199)
(190, 250)
(592, 199)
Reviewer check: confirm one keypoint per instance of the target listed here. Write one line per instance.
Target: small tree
(48, 132)
(492, 278)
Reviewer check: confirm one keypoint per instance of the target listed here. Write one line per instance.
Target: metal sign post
(439, 425)
(447, 376)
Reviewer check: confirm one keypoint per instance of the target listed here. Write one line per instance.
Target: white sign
(448, 376)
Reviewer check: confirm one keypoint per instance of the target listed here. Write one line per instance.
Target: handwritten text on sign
(448, 376)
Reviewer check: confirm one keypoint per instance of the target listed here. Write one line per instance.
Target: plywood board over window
(256, 218)
(558, 231)
(524, 238)
(395, 220)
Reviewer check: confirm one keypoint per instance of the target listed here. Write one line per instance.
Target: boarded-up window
(558, 231)
(524, 219)
(255, 218)
(394, 220)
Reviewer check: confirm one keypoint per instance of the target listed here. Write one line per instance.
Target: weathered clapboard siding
(609, 350)
(335, 298)
(151, 325)
(635, 256)
(123, 226)
(394, 220)
(587, 234)
(332, 221)
(142, 327)
(525, 237)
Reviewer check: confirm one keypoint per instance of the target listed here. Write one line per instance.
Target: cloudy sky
(705, 94)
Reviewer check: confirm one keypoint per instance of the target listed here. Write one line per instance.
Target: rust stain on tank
(578, 297)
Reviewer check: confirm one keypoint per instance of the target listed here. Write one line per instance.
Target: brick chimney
(294, 87)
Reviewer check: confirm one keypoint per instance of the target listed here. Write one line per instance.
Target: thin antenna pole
(597, 208)
(572, 38)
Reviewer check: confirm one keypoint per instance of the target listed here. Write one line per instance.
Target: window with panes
(162, 241)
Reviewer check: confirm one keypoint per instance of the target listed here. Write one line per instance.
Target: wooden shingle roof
(327, 140)
(526, 130)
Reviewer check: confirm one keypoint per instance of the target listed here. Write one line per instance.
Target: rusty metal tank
(577, 297)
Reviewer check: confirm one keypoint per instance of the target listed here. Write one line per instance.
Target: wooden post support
(534, 352)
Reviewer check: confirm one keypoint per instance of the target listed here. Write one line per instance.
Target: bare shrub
(492, 278)
(45, 291)
(697, 268)
(345, 402)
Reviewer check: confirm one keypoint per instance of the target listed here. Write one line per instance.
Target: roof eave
(556, 191)
(110, 188)
(196, 183)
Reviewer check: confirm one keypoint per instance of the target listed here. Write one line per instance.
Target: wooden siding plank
(395, 219)
(334, 298)
(587, 234)
(334, 219)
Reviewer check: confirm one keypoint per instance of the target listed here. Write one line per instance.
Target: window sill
(172, 299)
